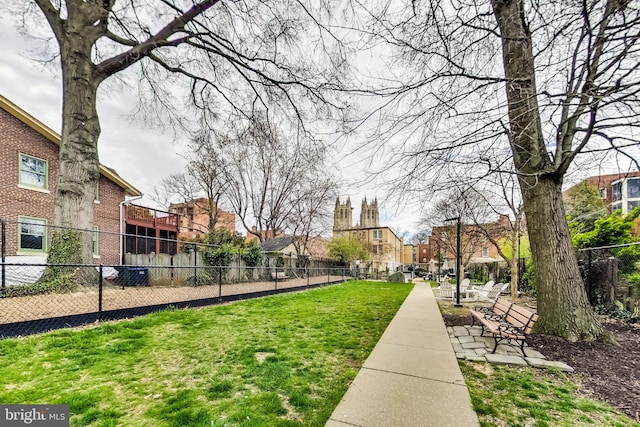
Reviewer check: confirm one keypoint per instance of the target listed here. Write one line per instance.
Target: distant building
(264, 234)
(423, 255)
(618, 190)
(195, 215)
(386, 250)
(409, 256)
(476, 246)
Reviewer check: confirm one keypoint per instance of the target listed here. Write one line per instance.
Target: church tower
(342, 215)
(369, 215)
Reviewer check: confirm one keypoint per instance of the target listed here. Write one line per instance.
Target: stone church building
(384, 247)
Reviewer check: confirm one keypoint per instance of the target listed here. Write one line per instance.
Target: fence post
(220, 283)
(171, 275)
(195, 265)
(276, 277)
(100, 294)
(4, 254)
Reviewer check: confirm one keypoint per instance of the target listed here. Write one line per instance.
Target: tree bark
(562, 301)
(79, 167)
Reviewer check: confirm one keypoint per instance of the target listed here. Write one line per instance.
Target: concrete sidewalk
(411, 378)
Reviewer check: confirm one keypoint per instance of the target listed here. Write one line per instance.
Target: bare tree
(548, 84)
(311, 215)
(202, 183)
(274, 179)
(420, 238)
(246, 56)
(499, 200)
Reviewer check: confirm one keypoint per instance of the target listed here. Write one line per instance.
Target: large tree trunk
(79, 167)
(562, 301)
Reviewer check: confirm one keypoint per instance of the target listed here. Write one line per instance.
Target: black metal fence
(36, 295)
(612, 275)
(75, 294)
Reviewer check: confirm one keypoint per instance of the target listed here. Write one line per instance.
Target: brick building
(423, 255)
(618, 190)
(476, 247)
(29, 161)
(194, 218)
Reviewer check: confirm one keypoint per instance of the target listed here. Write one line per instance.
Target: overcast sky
(142, 156)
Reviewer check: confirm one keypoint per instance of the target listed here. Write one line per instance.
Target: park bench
(506, 321)
(279, 275)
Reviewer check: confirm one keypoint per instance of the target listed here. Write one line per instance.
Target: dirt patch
(262, 356)
(608, 372)
(86, 299)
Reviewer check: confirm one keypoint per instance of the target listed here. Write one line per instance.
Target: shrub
(633, 279)
(252, 256)
(220, 256)
(201, 278)
(529, 278)
(617, 312)
(61, 282)
(279, 260)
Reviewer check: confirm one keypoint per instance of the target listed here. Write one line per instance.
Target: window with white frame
(32, 234)
(377, 234)
(616, 191)
(33, 172)
(485, 252)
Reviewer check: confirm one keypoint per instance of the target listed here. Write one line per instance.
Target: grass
(285, 360)
(503, 395)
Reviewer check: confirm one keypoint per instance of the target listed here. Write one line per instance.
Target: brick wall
(107, 218)
(17, 138)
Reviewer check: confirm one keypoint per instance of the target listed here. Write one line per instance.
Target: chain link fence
(37, 296)
(612, 276)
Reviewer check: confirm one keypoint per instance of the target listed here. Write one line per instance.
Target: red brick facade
(194, 218)
(18, 136)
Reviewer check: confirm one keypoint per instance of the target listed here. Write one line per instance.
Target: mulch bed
(608, 372)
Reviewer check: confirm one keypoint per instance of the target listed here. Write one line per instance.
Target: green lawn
(284, 360)
(516, 396)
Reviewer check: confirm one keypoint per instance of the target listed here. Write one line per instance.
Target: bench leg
(522, 349)
(495, 347)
